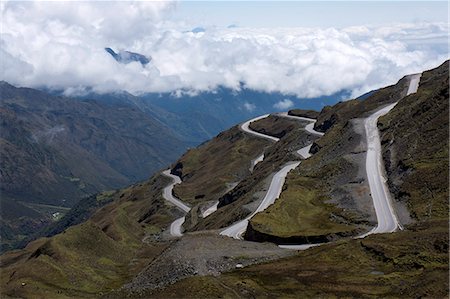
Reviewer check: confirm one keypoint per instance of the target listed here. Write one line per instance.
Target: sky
(337, 14)
(308, 49)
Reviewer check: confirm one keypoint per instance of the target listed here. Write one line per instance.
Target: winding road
(237, 230)
(176, 226)
(387, 221)
(309, 127)
(246, 128)
(168, 191)
(386, 218)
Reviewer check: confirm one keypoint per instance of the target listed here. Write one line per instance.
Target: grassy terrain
(299, 211)
(19, 221)
(96, 256)
(121, 238)
(208, 170)
(409, 264)
(56, 151)
(344, 111)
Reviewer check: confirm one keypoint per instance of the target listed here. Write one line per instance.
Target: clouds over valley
(60, 45)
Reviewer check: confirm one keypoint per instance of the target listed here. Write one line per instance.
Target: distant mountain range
(55, 150)
(200, 116)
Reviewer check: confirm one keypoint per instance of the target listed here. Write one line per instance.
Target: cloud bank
(61, 45)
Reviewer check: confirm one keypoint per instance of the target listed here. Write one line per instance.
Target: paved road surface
(304, 151)
(176, 226)
(237, 229)
(386, 218)
(387, 221)
(210, 210)
(245, 127)
(309, 127)
(255, 161)
(413, 83)
(167, 192)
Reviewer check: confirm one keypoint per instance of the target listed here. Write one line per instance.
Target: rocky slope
(415, 146)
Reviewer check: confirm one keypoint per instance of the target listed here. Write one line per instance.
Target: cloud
(249, 106)
(284, 104)
(61, 45)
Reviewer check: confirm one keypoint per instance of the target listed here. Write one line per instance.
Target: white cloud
(284, 104)
(249, 106)
(60, 45)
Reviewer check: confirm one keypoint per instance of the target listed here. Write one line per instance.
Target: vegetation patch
(208, 170)
(300, 211)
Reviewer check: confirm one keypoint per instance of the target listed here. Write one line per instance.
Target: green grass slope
(97, 256)
(208, 170)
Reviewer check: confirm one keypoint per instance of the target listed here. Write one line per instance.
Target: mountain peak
(127, 57)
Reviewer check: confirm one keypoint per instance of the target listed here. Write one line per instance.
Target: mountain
(125, 248)
(404, 264)
(127, 57)
(55, 150)
(197, 117)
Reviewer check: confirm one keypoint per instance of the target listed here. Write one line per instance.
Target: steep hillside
(410, 263)
(415, 147)
(96, 256)
(55, 150)
(328, 196)
(243, 199)
(216, 166)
